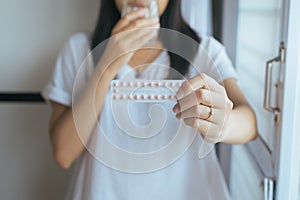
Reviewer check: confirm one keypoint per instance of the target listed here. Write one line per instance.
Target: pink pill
(144, 97)
(151, 84)
(158, 84)
(115, 84)
(171, 97)
(157, 97)
(165, 84)
(150, 97)
(144, 84)
(136, 97)
(116, 91)
(123, 97)
(116, 97)
(130, 84)
(164, 97)
(123, 84)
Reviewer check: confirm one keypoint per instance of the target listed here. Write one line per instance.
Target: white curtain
(198, 14)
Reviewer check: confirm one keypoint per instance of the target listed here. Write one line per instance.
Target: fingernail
(176, 108)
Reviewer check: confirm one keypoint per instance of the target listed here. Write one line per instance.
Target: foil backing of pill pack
(145, 91)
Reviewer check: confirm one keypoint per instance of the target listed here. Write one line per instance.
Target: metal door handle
(268, 189)
(268, 80)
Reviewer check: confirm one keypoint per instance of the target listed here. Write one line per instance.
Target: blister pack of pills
(145, 90)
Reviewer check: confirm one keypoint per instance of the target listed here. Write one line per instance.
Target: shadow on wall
(27, 168)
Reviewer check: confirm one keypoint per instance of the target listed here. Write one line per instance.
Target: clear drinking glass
(132, 5)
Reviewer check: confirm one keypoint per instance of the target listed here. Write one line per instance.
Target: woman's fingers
(212, 84)
(136, 38)
(132, 32)
(203, 112)
(208, 130)
(129, 37)
(144, 38)
(200, 96)
(128, 18)
(197, 82)
(142, 23)
(190, 86)
(197, 111)
(203, 104)
(135, 20)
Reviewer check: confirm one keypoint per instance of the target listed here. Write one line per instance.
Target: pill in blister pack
(146, 90)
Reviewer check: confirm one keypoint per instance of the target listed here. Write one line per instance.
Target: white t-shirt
(185, 178)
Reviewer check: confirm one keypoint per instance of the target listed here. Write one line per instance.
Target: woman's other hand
(130, 33)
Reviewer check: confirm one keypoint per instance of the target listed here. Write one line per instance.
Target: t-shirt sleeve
(60, 86)
(213, 60)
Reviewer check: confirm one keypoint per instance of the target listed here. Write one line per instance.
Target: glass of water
(132, 5)
(151, 5)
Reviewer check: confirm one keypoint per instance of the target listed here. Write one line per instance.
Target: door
(262, 36)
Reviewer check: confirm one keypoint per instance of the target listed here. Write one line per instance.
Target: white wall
(32, 33)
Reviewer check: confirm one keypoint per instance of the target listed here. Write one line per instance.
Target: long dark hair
(171, 19)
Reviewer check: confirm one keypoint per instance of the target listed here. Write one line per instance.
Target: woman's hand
(132, 32)
(203, 104)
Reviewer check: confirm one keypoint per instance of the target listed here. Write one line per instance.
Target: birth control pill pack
(145, 90)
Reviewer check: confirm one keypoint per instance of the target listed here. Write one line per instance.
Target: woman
(218, 113)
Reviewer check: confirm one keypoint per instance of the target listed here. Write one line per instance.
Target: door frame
(289, 156)
(225, 20)
(283, 163)
(268, 161)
